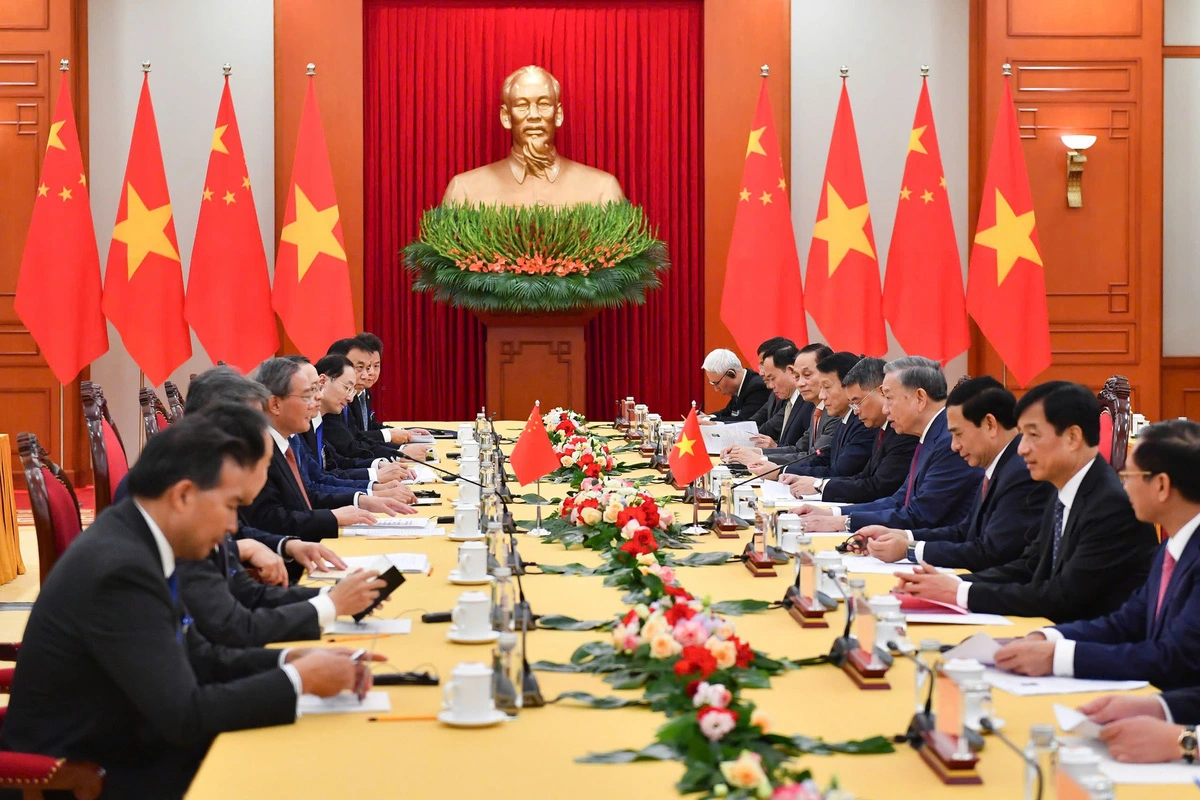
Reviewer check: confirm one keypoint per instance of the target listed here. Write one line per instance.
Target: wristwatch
(911, 554)
(1187, 744)
(847, 523)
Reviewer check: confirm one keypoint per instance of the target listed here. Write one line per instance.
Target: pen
(343, 638)
(415, 718)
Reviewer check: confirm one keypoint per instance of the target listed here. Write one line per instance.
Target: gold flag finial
(845, 71)
(1006, 69)
(765, 70)
(924, 70)
(64, 64)
(311, 69)
(226, 68)
(145, 66)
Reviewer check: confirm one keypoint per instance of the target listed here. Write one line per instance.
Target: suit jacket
(745, 404)
(336, 433)
(108, 671)
(231, 608)
(1184, 705)
(943, 488)
(886, 470)
(1000, 525)
(314, 475)
(766, 418)
(792, 448)
(280, 507)
(1104, 557)
(1134, 643)
(360, 417)
(848, 452)
(355, 469)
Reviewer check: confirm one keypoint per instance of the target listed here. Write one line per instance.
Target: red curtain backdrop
(632, 79)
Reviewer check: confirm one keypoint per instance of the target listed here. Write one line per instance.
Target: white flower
(716, 727)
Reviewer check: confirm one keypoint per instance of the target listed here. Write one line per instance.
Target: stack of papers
(870, 565)
(774, 490)
(1023, 686)
(718, 436)
(345, 703)
(424, 474)
(382, 627)
(1139, 774)
(413, 563)
(421, 438)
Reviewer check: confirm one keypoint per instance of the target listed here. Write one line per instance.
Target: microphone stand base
(942, 754)
(806, 611)
(867, 671)
(695, 530)
(760, 564)
(537, 532)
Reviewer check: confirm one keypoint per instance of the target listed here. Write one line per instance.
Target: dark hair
(1065, 404)
(783, 356)
(822, 351)
(276, 374)
(841, 363)
(1173, 449)
(867, 373)
(340, 347)
(333, 366)
(773, 344)
(223, 385)
(918, 372)
(297, 358)
(369, 342)
(979, 397)
(195, 449)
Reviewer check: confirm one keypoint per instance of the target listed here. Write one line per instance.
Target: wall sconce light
(1076, 143)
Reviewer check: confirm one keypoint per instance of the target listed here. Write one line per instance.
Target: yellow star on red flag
(1010, 238)
(312, 233)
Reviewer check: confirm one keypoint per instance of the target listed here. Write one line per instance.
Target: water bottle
(502, 599)
(496, 552)
(1043, 751)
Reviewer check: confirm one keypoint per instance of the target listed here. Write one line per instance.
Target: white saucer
(485, 638)
(998, 724)
(493, 717)
(456, 578)
(454, 536)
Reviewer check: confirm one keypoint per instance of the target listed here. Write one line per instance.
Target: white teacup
(472, 561)
(469, 467)
(472, 616)
(882, 604)
(743, 496)
(963, 670)
(468, 693)
(828, 559)
(469, 450)
(466, 518)
(468, 495)
(466, 432)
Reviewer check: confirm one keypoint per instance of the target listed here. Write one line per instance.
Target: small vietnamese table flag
(762, 250)
(58, 287)
(923, 289)
(312, 278)
(1006, 284)
(689, 459)
(228, 300)
(143, 279)
(533, 456)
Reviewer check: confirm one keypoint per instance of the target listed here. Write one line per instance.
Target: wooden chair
(1116, 420)
(108, 454)
(174, 400)
(32, 775)
(52, 498)
(146, 400)
(108, 417)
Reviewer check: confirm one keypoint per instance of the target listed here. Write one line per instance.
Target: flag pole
(695, 529)
(537, 529)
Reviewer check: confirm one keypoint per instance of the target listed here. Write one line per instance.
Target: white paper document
(346, 703)
(1023, 686)
(384, 627)
(980, 647)
(721, 435)
(423, 474)
(1071, 721)
(774, 490)
(1175, 773)
(934, 618)
(414, 563)
(421, 438)
(870, 565)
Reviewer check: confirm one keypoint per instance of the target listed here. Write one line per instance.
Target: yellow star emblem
(904, 192)
(246, 182)
(843, 228)
(229, 198)
(144, 231)
(1010, 238)
(43, 190)
(782, 183)
(684, 445)
(208, 193)
(53, 140)
(927, 196)
(766, 198)
(914, 140)
(82, 179)
(219, 146)
(942, 182)
(312, 233)
(744, 194)
(755, 143)
(65, 194)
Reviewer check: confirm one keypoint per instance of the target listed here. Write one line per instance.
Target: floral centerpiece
(562, 423)
(603, 515)
(582, 457)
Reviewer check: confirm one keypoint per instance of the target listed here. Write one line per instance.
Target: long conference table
(533, 755)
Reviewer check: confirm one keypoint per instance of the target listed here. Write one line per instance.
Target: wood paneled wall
(1094, 67)
(34, 35)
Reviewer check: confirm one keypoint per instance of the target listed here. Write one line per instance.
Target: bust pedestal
(535, 357)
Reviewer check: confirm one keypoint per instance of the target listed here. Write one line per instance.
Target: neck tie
(1168, 570)
(291, 460)
(816, 423)
(912, 474)
(321, 446)
(983, 492)
(362, 405)
(1059, 513)
(182, 623)
(787, 412)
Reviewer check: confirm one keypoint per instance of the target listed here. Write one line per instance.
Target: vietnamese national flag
(312, 277)
(923, 288)
(533, 456)
(228, 300)
(58, 288)
(143, 280)
(689, 458)
(843, 271)
(762, 250)
(1006, 284)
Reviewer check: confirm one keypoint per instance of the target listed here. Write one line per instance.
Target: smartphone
(393, 578)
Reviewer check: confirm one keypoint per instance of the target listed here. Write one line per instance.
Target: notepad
(1072, 721)
(345, 703)
(1023, 686)
(928, 618)
(413, 563)
(721, 435)
(383, 627)
(1171, 774)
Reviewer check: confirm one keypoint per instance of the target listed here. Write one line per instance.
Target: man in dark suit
(766, 418)
(365, 353)
(940, 486)
(797, 369)
(1148, 729)
(891, 452)
(285, 505)
(981, 418)
(1091, 552)
(111, 670)
(744, 387)
(1155, 635)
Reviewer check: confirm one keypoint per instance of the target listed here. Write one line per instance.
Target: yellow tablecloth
(11, 564)
(533, 756)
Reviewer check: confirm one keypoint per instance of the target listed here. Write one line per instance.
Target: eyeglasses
(717, 383)
(307, 397)
(856, 406)
(347, 387)
(1127, 474)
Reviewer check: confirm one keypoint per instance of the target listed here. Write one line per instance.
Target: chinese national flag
(843, 271)
(533, 455)
(762, 251)
(689, 459)
(312, 278)
(143, 281)
(58, 288)
(228, 300)
(1006, 285)
(923, 288)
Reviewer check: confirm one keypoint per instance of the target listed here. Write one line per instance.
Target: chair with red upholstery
(33, 775)
(174, 400)
(52, 498)
(107, 416)
(109, 464)
(1116, 420)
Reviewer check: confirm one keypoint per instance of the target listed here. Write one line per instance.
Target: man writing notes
(744, 387)
(111, 669)
(1155, 635)
(940, 486)
(981, 418)
(813, 430)
(1091, 552)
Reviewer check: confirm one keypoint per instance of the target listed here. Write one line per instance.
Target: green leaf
(608, 702)
(551, 666)
(653, 752)
(698, 559)
(736, 608)
(559, 622)
(567, 569)
(875, 745)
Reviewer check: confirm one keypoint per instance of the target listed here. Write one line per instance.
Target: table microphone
(753, 478)
(843, 644)
(986, 724)
(922, 720)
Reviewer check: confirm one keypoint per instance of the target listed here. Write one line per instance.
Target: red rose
(631, 547)
(566, 427)
(568, 503)
(691, 688)
(680, 594)
(678, 612)
(593, 470)
(631, 513)
(645, 539)
(585, 459)
(696, 660)
(623, 518)
(706, 710)
(630, 617)
(590, 502)
(745, 654)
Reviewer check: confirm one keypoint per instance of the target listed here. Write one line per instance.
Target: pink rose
(690, 632)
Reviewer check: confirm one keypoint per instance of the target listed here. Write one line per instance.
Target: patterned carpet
(87, 502)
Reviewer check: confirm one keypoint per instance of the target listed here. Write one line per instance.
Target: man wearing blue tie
(1155, 635)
